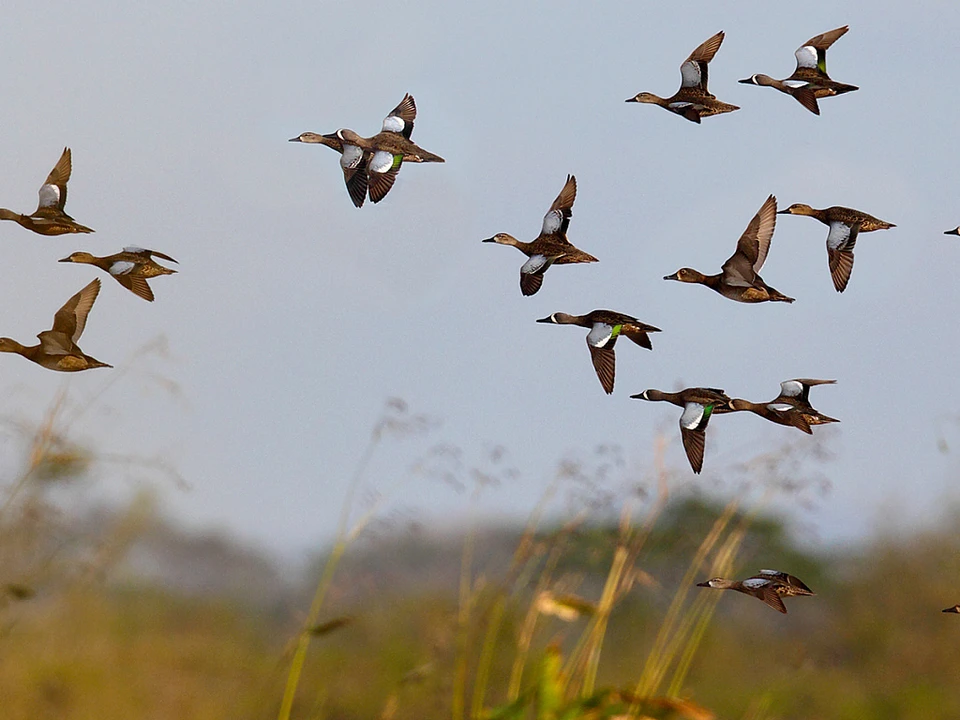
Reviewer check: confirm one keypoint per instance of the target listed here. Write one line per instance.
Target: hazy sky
(295, 315)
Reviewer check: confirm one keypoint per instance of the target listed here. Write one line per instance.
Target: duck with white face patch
(370, 165)
(551, 246)
(699, 405)
(767, 585)
(605, 327)
(810, 80)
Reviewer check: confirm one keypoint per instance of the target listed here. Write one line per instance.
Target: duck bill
(296, 139)
(784, 212)
(542, 320)
(953, 609)
(703, 584)
(66, 259)
(639, 396)
(955, 231)
(489, 239)
(746, 81)
(633, 99)
(672, 277)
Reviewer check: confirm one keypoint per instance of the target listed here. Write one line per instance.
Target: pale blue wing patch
(49, 195)
(679, 105)
(791, 388)
(806, 57)
(756, 583)
(779, 407)
(692, 416)
(535, 264)
(135, 249)
(796, 84)
(774, 573)
(690, 74)
(394, 124)
(122, 267)
(599, 335)
(552, 222)
(841, 236)
(352, 155)
(381, 162)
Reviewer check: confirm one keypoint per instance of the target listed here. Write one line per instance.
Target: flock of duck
(131, 267)
(370, 167)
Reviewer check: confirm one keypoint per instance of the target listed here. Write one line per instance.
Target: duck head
(687, 275)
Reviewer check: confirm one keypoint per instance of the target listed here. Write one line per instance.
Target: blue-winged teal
(739, 279)
(954, 609)
(692, 101)
(810, 80)
(779, 413)
(58, 348)
(605, 327)
(49, 217)
(130, 268)
(373, 163)
(767, 585)
(796, 393)
(845, 225)
(551, 246)
(698, 405)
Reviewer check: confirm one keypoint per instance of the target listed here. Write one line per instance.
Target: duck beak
(703, 584)
(542, 320)
(639, 396)
(489, 239)
(633, 99)
(746, 81)
(953, 609)
(296, 139)
(955, 231)
(784, 212)
(672, 277)
(66, 259)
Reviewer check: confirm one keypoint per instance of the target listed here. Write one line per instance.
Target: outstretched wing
(53, 192)
(557, 219)
(693, 71)
(72, 317)
(400, 120)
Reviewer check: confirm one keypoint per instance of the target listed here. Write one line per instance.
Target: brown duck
(739, 277)
(358, 153)
(58, 349)
(605, 327)
(770, 586)
(692, 101)
(131, 267)
(49, 218)
(698, 405)
(810, 80)
(796, 393)
(551, 246)
(845, 225)
(781, 414)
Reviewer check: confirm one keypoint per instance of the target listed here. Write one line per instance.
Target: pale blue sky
(295, 315)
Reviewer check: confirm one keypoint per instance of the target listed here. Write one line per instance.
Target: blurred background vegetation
(587, 611)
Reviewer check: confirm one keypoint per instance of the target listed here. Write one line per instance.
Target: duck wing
(604, 362)
(693, 426)
(53, 192)
(742, 267)
(353, 162)
(841, 240)
(693, 71)
(72, 317)
(813, 53)
(383, 169)
(557, 219)
(400, 120)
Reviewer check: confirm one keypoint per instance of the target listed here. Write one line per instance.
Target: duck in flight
(50, 218)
